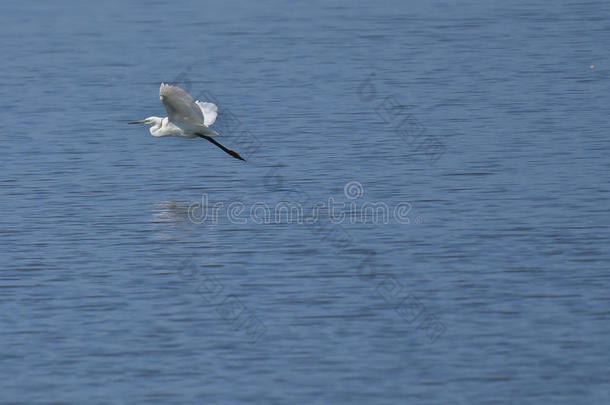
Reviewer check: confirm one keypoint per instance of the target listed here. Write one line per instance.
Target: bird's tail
(207, 131)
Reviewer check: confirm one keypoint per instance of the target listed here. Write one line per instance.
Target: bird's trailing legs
(229, 151)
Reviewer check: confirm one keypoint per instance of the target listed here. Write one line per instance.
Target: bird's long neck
(156, 126)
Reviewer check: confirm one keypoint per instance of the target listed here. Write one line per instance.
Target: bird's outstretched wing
(180, 106)
(209, 110)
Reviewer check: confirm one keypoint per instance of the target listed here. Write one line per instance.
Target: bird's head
(148, 121)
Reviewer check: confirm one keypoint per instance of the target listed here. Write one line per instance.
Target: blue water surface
(476, 132)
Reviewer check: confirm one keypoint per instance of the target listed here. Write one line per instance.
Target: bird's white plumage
(209, 110)
(186, 118)
(180, 106)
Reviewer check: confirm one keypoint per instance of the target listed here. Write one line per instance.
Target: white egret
(186, 118)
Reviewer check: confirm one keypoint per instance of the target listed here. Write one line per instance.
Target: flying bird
(186, 118)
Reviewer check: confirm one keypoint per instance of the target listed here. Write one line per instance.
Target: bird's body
(164, 127)
(186, 118)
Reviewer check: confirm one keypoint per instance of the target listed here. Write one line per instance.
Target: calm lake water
(478, 131)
